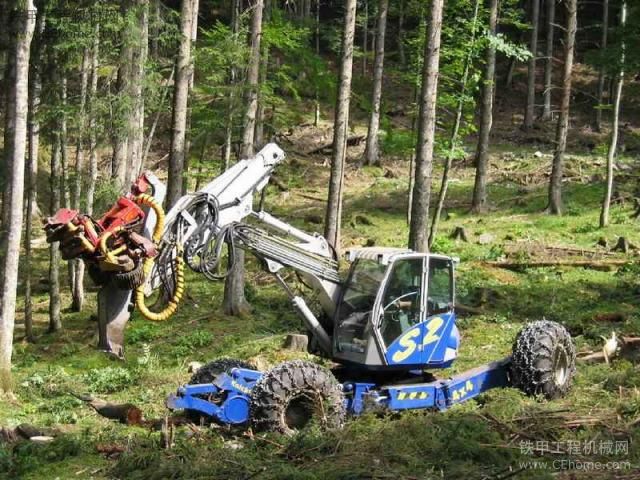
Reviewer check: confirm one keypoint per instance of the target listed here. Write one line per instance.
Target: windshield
(357, 302)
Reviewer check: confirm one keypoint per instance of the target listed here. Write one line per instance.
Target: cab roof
(385, 255)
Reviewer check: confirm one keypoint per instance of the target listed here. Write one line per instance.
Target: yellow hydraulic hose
(148, 200)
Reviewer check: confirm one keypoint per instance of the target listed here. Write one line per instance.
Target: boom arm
(231, 197)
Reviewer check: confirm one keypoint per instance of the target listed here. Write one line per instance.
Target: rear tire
(543, 360)
(207, 374)
(290, 396)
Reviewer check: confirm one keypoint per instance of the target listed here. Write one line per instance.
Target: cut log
(27, 431)
(593, 264)
(126, 413)
(296, 342)
(610, 317)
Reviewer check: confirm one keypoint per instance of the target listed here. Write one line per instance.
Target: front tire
(543, 360)
(290, 396)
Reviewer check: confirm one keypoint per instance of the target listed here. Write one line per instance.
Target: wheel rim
(299, 412)
(560, 366)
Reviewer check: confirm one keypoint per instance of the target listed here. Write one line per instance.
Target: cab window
(440, 293)
(401, 299)
(357, 303)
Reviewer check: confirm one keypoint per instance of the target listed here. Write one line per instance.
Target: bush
(109, 379)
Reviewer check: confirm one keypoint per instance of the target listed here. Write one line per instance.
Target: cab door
(402, 311)
(441, 338)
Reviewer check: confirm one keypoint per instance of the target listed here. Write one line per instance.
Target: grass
(479, 439)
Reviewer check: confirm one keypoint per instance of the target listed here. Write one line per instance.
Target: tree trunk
(602, 76)
(340, 129)
(365, 37)
(453, 140)
(93, 90)
(120, 131)
(187, 142)
(548, 62)
(64, 165)
(149, 140)
(479, 202)
(371, 153)
(555, 184)
(253, 79)
(25, 25)
(136, 119)
(234, 300)
(235, 27)
(55, 322)
(33, 131)
(77, 294)
(264, 67)
(531, 71)
(401, 35)
(418, 230)
(183, 67)
(9, 126)
(615, 125)
(316, 118)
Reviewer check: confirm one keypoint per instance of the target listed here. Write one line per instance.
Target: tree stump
(623, 245)
(296, 343)
(460, 234)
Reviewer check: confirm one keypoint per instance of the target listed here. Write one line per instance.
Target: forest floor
(501, 435)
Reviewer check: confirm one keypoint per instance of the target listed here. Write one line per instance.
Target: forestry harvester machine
(386, 325)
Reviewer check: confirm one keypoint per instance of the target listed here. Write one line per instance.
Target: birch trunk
(33, 131)
(93, 150)
(25, 21)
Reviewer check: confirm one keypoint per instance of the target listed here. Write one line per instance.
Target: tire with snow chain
(543, 360)
(207, 374)
(291, 395)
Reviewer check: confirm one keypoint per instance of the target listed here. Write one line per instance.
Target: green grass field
(493, 437)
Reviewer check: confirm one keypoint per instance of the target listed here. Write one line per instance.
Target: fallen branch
(351, 141)
(627, 345)
(466, 309)
(594, 264)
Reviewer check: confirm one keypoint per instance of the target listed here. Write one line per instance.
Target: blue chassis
(234, 393)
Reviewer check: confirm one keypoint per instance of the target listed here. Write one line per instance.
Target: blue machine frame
(231, 393)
